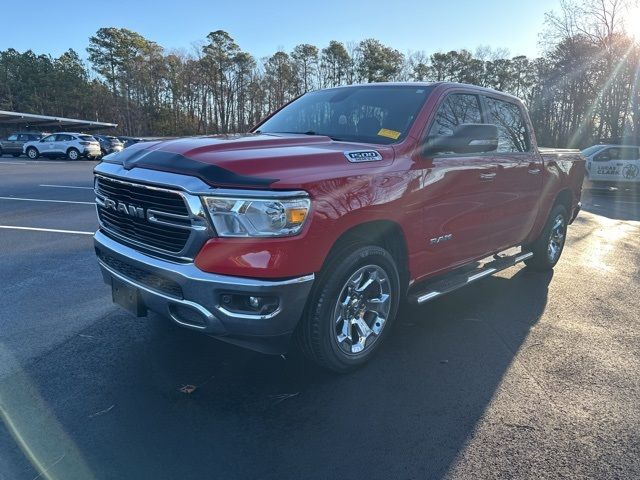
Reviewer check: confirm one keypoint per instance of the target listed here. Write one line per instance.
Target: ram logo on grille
(122, 207)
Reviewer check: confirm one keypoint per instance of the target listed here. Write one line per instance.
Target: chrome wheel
(556, 238)
(32, 153)
(73, 154)
(362, 309)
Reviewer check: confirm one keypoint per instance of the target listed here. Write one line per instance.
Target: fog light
(249, 304)
(254, 302)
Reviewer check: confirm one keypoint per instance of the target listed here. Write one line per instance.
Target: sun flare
(633, 23)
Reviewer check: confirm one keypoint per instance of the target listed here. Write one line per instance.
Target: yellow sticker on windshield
(385, 132)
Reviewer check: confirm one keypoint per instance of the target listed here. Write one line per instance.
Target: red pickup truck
(330, 213)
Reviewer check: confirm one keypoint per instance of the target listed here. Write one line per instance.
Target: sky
(262, 27)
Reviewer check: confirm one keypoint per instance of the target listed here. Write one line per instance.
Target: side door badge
(443, 238)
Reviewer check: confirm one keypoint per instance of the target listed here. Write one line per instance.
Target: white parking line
(40, 162)
(65, 186)
(13, 227)
(43, 200)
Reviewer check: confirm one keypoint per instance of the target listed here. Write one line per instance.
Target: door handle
(534, 171)
(487, 176)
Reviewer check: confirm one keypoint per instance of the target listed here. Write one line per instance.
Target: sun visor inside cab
(177, 163)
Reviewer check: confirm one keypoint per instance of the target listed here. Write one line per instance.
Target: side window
(455, 110)
(628, 153)
(12, 138)
(512, 133)
(23, 138)
(63, 138)
(49, 138)
(607, 154)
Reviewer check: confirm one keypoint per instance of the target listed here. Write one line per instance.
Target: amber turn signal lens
(296, 215)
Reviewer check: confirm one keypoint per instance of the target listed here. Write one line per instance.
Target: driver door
(458, 193)
(47, 145)
(11, 145)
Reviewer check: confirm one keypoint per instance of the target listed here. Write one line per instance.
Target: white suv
(71, 145)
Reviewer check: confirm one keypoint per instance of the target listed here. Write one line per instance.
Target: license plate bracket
(127, 297)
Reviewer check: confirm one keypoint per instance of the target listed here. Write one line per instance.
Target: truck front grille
(143, 215)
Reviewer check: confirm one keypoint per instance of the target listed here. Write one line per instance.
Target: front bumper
(190, 297)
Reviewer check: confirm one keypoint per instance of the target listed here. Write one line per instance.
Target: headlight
(250, 217)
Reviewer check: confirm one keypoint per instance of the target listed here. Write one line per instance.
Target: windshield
(368, 114)
(591, 150)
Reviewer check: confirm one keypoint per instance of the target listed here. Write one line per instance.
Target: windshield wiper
(311, 132)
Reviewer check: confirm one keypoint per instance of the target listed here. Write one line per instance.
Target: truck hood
(255, 160)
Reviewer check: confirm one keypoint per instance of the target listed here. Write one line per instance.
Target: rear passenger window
(617, 153)
(455, 110)
(628, 153)
(512, 133)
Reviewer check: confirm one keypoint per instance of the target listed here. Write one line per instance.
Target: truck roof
(469, 86)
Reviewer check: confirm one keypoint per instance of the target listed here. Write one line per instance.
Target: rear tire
(73, 154)
(548, 247)
(32, 153)
(351, 309)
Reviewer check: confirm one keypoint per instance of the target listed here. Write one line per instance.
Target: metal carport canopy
(44, 122)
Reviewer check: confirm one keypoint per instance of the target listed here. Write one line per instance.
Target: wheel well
(72, 148)
(564, 198)
(384, 233)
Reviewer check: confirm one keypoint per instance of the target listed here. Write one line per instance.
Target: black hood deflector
(178, 163)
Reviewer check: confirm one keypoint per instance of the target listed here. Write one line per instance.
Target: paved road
(523, 375)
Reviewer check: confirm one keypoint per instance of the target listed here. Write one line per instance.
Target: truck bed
(560, 153)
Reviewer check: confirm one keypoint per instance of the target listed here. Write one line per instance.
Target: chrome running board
(457, 279)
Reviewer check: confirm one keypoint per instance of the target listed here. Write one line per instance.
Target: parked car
(330, 213)
(14, 142)
(109, 144)
(612, 164)
(72, 145)
(128, 141)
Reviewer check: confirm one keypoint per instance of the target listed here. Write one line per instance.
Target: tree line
(583, 89)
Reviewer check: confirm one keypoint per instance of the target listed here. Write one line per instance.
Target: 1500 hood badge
(358, 156)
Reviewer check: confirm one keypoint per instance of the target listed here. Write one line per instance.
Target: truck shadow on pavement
(141, 398)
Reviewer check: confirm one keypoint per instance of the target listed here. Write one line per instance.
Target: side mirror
(466, 138)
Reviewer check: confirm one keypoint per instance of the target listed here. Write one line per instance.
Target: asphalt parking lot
(522, 375)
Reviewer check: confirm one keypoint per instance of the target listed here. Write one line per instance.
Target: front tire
(351, 309)
(548, 247)
(73, 154)
(32, 153)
